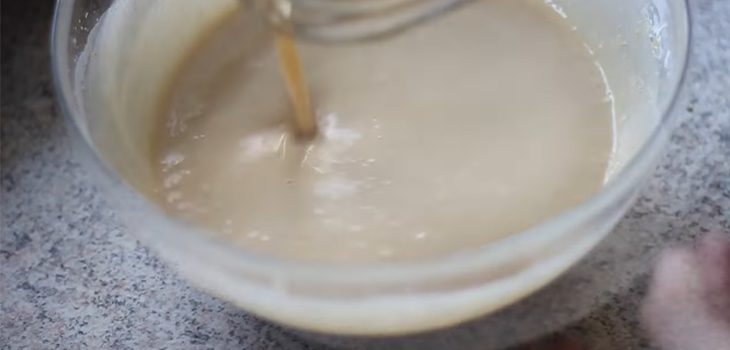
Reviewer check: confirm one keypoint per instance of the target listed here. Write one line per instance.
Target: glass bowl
(493, 296)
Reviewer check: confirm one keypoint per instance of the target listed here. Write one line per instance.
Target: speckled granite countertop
(71, 277)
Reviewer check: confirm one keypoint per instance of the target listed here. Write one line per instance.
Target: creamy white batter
(472, 127)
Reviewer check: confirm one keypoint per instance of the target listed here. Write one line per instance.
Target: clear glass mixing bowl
(503, 289)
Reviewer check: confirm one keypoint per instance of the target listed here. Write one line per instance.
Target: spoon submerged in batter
(305, 124)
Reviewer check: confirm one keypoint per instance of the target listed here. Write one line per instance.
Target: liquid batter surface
(475, 126)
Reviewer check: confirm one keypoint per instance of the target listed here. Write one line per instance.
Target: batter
(474, 126)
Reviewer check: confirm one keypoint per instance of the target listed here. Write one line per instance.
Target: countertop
(71, 277)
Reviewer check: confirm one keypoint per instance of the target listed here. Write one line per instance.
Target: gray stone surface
(71, 277)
